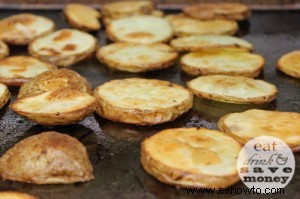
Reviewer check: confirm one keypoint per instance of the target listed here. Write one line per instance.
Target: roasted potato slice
(140, 29)
(64, 47)
(15, 195)
(191, 157)
(240, 90)
(4, 50)
(16, 70)
(4, 95)
(254, 123)
(203, 42)
(142, 101)
(58, 107)
(209, 11)
(22, 29)
(290, 64)
(185, 26)
(55, 79)
(136, 58)
(82, 17)
(47, 158)
(222, 62)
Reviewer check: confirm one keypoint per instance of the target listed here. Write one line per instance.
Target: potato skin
(47, 158)
(5, 96)
(4, 50)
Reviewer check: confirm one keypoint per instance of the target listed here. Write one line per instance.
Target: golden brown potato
(209, 11)
(58, 107)
(22, 29)
(142, 101)
(290, 64)
(254, 123)
(55, 79)
(47, 158)
(15, 195)
(4, 50)
(191, 157)
(137, 58)
(16, 70)
(4, 95)
(64, 47)
(82, 17)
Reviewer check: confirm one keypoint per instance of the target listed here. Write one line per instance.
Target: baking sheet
(114, 148)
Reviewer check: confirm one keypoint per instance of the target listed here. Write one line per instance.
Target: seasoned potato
(55, 79)
(22, 29)
(240, 90)
(222, 62)
(290, 64)
(15, 195)
(64, 47)
(4, 95)
(203, 42)
(4, 50)
(57, 107)
(136, 58)
(140, 29)
(142, 101)
(16, 70)
(191, 157)
(47, 158)
(82, 17)
(209, 11)
(185, 26)
(254, 123)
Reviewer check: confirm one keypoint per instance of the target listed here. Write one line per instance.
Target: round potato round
(185, 26)
(15, 195)
(253, 123)
(136, 58)
(55, 79)
(209, 11)
(142, 101)
(4, 50)
(22, 29)
(222, 62)
(4, 95)
(64, 47)
(140, 29)
(203, 42)
(47, 158)
(191, 157)
(240, 90)
(290, 64)
(16, 70)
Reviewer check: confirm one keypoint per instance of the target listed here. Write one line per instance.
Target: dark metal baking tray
(114, 148)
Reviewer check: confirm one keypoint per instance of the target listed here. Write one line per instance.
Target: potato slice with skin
(16, 70)
(202, 42)
(64, 47)
(140, 29)
(4, 95)
(290, 64)
(240, 90)
(58, 107)
(55, 79)
(82, 17)
(222, 62)
(47, 158)
(4, 50)
(209, 11)
(137, 57)
(22, 29)
(185, 26)
(254, 123)
(142, 101)
(15, 195)
(191, 157)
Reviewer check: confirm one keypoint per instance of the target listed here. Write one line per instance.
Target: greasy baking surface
(114, 148)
